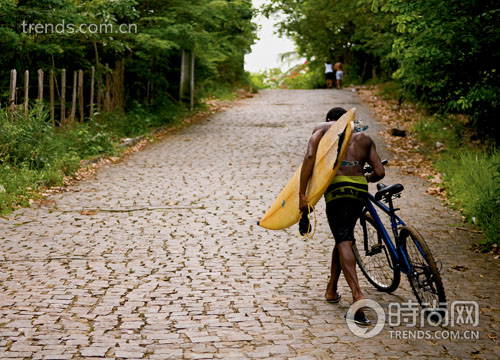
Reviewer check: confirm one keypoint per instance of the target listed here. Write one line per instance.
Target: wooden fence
(109, 83)
(109, 95)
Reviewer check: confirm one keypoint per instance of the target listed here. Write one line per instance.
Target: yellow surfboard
(284, 211)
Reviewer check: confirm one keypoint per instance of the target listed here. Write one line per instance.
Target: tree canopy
(219, 32)
(444, 53)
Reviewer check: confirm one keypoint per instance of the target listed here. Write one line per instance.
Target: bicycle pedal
(376, 249)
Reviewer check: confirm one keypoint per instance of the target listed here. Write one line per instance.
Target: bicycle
(382, 260)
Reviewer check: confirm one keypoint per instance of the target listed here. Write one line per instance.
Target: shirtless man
(344, 198)
(339, 74)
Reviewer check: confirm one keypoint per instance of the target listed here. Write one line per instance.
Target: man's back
(361, 151)
(339, 66)
(357, 155)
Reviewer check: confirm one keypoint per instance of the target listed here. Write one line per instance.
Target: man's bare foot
(331, 294)
(357, 298)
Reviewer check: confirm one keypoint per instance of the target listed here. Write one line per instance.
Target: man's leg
(331, 288)
(348, 264)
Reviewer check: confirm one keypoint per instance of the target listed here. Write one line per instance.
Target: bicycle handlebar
(368, 169)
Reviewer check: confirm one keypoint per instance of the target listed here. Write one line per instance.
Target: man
(339, 74)
(343, 208)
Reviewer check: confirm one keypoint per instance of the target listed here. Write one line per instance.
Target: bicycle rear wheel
(373, 257)
(423, 273)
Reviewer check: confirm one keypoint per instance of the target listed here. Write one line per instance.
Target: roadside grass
(35, 155)
(466, 169)
(470, 169)
(138, 120)
(472, 181)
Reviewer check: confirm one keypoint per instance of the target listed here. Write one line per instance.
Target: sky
(265, 52)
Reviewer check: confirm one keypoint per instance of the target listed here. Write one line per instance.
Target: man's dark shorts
(330, 76)
(345, 199)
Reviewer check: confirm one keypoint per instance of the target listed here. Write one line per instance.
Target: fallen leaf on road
(492, 337)
(436, 190)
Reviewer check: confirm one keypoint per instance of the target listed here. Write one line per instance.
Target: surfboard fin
(341, 141)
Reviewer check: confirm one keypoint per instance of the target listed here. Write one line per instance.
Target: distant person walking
(339, 74)
(329, 74)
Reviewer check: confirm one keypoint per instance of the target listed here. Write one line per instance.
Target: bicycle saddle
(384, 190)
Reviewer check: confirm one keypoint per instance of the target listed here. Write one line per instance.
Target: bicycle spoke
(423, 276)
(374, 259)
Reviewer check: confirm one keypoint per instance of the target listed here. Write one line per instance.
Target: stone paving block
(94, 351)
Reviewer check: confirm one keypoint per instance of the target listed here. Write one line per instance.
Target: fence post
(191, 83)
(51, 94)
(80, 94)
(73, 102)
(182, 85)
(92, 92)
(63, 96)
(12, 90)
(26, 91)
(40, 84)
(99, 89)
(107, 99)
(187, 77)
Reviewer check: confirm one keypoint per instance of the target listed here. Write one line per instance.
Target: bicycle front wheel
(374, 258)
(423, 273)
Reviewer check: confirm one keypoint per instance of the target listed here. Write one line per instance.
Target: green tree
(342, 29)
(219, 32)
(447, 54)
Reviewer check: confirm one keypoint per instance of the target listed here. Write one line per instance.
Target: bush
(138, 120)
(304, 78)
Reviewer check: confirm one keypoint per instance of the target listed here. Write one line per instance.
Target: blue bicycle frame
(396, 221)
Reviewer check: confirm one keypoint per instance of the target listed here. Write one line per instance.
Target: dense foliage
(149, 35)
(34, 154)
(447, 54)
(444, 53)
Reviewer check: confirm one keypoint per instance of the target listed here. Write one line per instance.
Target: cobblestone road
(168, 261)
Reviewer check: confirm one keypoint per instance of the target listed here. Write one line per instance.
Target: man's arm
(378, 172)
(307, 168)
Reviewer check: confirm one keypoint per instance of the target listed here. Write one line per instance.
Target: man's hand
(307, 168)
(303, 204)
